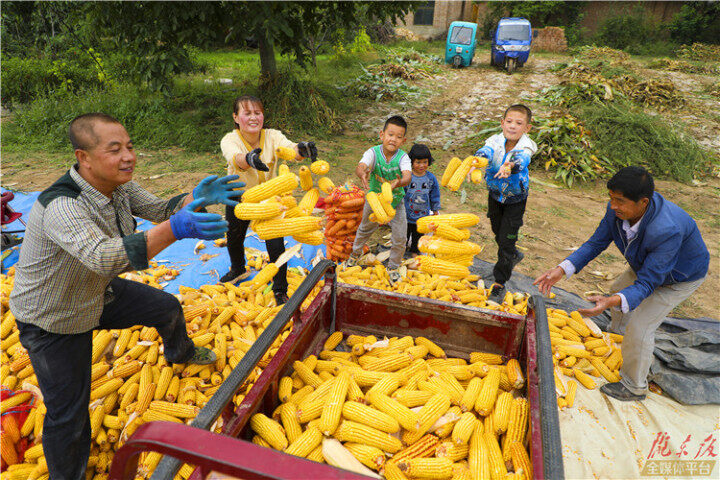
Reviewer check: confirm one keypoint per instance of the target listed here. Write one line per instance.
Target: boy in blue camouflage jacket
(508, 182)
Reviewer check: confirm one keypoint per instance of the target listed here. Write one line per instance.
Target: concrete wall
(445, 13)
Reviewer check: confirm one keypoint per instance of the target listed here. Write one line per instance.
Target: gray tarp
(687, 351)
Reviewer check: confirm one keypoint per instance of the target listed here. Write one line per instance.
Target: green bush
(629, 29)
(696, 22)
(627, 136)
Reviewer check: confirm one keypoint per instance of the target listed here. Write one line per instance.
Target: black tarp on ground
(687, 350)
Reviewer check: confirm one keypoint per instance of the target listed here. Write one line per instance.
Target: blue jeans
(62, 365)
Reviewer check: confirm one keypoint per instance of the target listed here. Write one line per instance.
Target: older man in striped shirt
(80, 235)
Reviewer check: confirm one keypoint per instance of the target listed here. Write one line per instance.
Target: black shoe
(497, 293)
(517, 258)
(234, 276)
(202, 356)
(280, 298)
(618, 391)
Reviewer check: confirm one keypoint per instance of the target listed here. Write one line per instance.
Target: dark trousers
(237, 229)
(505, 220)
(62, 365)
(413, 236)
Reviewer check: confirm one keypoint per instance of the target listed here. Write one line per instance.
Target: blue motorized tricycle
(460, 46)
(511, 43)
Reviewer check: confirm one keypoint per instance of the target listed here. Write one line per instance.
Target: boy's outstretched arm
(362, 172)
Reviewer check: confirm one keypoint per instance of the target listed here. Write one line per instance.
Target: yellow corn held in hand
(386, 192)
(312, 238)
(258, 211)
(320, 167)
(439, 245)
(459, 175)
(306, 181)
(477, 176)
(374, 201)
(457, 220)
(307, 203)
(387, 206)
(450, 170)
(285, 153)
(279, 185)
(269, 229)
(325, 184)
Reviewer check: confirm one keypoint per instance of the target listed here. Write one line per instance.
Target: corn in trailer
(353, 310)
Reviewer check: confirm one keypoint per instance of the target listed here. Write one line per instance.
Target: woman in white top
(250, 153)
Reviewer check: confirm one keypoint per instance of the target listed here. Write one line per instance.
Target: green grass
(557, 212)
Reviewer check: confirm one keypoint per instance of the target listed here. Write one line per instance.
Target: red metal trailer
(352, 310)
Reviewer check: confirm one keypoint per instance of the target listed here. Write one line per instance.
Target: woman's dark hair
(633, 182)
(420, 150)
(246, 100)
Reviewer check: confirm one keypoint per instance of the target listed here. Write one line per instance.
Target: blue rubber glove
(187, 223)
(218, 190)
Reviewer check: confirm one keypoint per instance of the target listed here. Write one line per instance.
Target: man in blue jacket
(668, 261)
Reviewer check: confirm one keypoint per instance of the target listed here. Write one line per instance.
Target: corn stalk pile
(700, 51)
(683, 66)
(603, 53)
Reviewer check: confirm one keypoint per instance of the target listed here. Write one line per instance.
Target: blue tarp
(179, 255)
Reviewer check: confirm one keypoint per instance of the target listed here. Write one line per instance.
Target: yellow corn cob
(453, 165)
(476, 176)
(495, 456)
(258, 211)
(428, 415)
(269, 229)
(603, 369)
(601, 351)
(320, 167)
(444, 230)
(126, 370)
(575, 352)
(269, 430)
(306, 374)
(358, 433)
(333, 408)
(520, 460)
(452, 451)
(501, 412)
(386, 192)
(393, 472)
(265, 275)
(289, 420)
(459, 175)
(489, 358)
(173, 389)
(8, 453)
(412, 398)
(434, 350)
(312, 238)
(457, 220)
(285, 153)
(432, 468)
(488, 393)
(306, 181)
(517, 425)
(424, 447)
(614, 359)
(100, 343)
(432, 265)
(443, 246)
(464, 428)
(385, 386)
(283, 169)
(279, 185)
(145, 396)
(333, 340)
(389, 363)
(387, 206)
(305, 443)
(374, 201)
(107, 388)
(570, 397)
(360, 413)
(371, 457)
(325, 184)
(478, 455)
(174, 409)
(454, 389)
(285, 389)
(514, 373)
(307, 203)
(577, 323)
(408, 419)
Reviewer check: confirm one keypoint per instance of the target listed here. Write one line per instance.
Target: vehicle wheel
(511, 64)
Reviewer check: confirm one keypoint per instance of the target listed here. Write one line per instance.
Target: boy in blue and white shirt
(422, 196)
(508, 183)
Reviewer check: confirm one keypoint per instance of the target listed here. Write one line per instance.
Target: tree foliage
(697, 22)
(540, 13)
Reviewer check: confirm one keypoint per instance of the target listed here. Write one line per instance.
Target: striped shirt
(76, 241)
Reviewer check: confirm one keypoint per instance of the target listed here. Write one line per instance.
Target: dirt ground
(557, 219)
